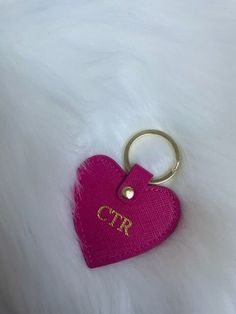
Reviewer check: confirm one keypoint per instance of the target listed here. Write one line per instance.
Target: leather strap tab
(137, 179)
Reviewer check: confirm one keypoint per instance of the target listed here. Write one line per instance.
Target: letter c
(100, 210)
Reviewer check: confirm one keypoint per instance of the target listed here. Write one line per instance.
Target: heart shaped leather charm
(119, 215)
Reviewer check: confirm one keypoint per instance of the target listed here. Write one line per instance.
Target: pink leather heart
(111, 227)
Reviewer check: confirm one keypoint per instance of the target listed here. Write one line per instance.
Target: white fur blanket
(78, 78)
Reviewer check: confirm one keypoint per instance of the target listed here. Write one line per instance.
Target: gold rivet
(127, 192)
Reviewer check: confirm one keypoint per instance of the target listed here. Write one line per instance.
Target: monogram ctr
(112, 217)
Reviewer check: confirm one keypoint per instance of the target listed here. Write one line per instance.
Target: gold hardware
(127, 192)
(172, 171)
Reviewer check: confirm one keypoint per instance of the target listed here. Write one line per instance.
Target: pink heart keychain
(120, 214)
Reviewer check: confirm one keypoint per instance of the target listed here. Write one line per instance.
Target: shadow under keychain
(119, 214)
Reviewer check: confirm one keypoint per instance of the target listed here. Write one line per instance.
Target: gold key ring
(172, 171)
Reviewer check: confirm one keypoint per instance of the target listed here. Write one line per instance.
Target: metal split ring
(169, 139)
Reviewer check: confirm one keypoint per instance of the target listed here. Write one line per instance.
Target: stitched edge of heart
(148, 246)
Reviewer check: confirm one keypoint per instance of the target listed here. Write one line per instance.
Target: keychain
(119, 214)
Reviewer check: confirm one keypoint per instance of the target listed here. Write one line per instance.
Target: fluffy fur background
(78, 78)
